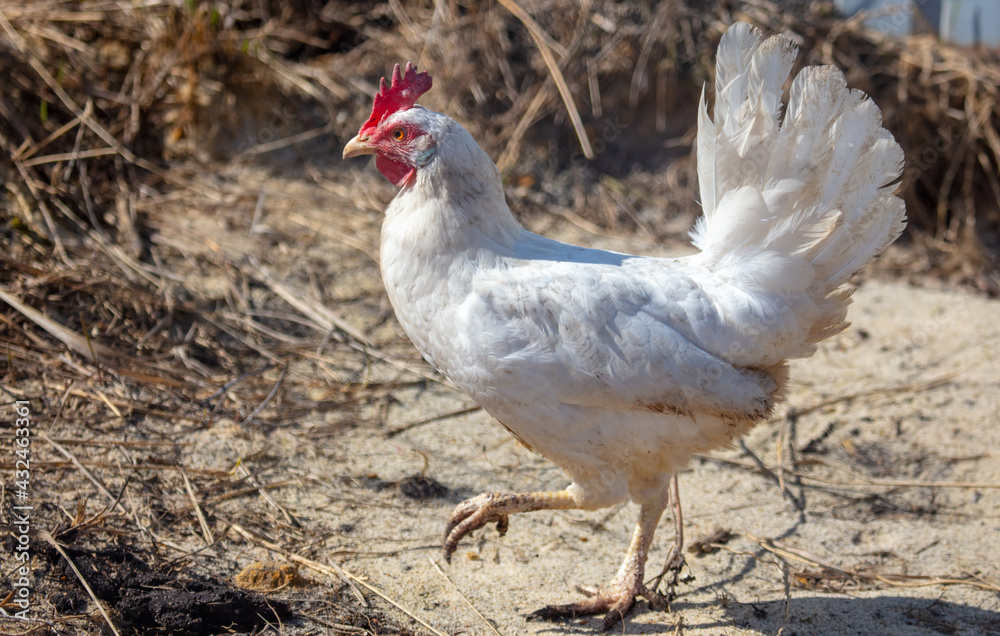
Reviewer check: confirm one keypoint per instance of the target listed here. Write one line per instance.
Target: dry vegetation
(130, 341)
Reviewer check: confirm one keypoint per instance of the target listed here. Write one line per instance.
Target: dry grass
(110, 110)
(101, 95)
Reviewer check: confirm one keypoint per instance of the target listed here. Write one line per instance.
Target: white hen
(616, 367)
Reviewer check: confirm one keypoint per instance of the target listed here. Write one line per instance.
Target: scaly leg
(491, 507)
(618, 596)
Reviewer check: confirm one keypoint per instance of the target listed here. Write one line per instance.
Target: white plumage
(616, 367)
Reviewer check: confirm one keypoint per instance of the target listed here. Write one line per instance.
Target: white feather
(619, 367)
(815, 188)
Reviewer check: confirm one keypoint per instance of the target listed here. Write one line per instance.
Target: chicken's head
(394, 132)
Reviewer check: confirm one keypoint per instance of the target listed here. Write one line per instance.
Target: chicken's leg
(618, 596)
(490, 507)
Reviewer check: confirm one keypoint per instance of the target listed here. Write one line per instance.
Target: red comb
(402, 94)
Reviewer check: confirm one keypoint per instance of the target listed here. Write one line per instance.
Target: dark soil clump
(146, 599)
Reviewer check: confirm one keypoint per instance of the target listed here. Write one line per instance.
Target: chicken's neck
(437, 234)
(456, 204)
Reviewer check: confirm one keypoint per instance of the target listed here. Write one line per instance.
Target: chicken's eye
(398, 134)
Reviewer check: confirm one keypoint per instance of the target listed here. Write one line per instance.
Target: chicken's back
(601, 362)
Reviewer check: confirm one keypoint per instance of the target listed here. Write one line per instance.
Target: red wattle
(398, 173)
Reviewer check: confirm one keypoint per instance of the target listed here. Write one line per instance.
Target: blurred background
(158, 84)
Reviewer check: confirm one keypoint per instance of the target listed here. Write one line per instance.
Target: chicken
(617, 367)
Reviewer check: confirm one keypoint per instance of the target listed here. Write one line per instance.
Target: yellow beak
(357, 147)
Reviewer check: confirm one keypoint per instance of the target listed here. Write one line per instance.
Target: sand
(889, 441)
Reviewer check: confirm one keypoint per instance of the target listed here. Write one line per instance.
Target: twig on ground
(83, 469)
(100, 606)
(465, 598)
(267, 497)
(323, 317)
(829, 571)
(267, 400)
(437, 418)
(338, 628)
(859, 479)
(909, 387)
(205, 529)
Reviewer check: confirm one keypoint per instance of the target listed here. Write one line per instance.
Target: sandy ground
(908, 394)
(889, 444)
(899, 432)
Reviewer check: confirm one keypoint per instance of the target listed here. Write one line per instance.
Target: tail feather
(794, 205)
(769, 67)
(732, 66)
(814, 186)
(748, 88)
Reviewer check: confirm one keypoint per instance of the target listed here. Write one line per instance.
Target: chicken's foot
(617, 598)
(495, 507)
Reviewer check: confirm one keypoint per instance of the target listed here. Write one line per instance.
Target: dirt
(888, 468)
(143, 599)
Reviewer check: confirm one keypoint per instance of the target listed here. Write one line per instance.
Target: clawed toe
(613, 601)
(472, 514)
(613, 604)
(495, 507)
